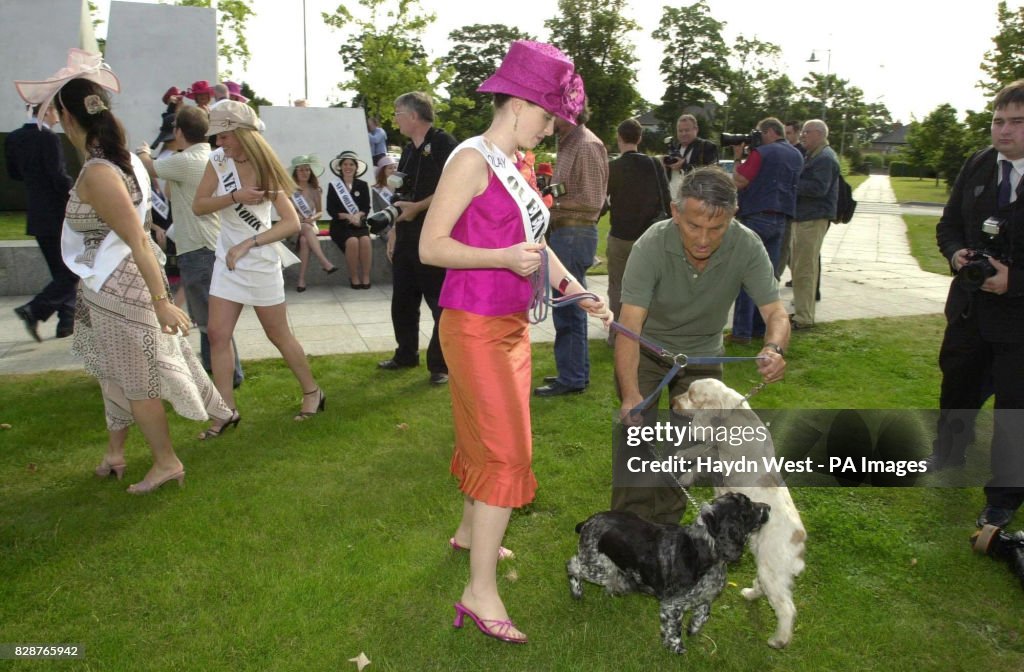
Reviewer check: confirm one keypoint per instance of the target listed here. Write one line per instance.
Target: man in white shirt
(195, 236)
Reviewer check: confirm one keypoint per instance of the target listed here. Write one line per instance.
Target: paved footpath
(867, 272)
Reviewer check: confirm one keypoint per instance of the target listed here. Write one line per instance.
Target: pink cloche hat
(541, 74)
(235, 92)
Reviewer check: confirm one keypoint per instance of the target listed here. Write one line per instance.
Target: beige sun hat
(230, 115)
(81, 65)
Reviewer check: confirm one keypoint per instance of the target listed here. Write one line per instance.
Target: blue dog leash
(542, 300)
(679, 362)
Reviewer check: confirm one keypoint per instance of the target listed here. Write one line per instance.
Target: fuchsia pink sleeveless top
(491, 221)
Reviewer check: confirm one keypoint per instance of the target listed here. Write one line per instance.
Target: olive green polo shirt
(686, 308)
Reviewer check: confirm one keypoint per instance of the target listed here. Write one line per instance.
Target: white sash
(112, 250)
(302, 205)
(227, 173)
(160, 205)
(534, 213)
(346, 198)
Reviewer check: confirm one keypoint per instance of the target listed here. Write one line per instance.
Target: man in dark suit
(34, 156)
(982, 352)
(694, 152)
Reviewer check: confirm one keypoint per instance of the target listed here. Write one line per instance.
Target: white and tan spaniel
(778, 546)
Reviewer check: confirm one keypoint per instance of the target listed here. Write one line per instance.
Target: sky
(911, 55)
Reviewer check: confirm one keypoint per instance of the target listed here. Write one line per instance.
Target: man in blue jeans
(767, 181)
(582, 168)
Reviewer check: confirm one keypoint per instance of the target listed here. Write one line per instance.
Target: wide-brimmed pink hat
(202, 86)
(81, 65)
(173, 91)
(235, 92)
(541, 74)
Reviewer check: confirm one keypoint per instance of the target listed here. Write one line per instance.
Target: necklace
(241, 160)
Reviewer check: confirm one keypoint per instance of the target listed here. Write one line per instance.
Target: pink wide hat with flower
(81, 65)
(541, 74)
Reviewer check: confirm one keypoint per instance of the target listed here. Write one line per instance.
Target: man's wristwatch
(776, 347)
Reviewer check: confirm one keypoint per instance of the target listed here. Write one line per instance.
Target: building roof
(897, 136)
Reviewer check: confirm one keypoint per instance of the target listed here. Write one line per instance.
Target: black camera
(674, 153)
(998, 543)
(973, 274)
(384, 219)
(556, 190)
(751, 140)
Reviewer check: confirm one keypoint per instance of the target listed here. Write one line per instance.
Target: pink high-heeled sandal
(106, 469)
(143, 487)
(490, 627)
(503, 553)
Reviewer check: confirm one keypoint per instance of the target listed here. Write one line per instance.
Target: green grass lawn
(922, 190)
(921, 234)
(12, 226)
(297, 546)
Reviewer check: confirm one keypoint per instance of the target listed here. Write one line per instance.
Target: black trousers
(415, 282)
(59, 295)
(972, 368)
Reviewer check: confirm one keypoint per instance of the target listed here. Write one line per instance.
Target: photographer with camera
(687, 151)
(422, 161)
(981, 232)
(767, 180)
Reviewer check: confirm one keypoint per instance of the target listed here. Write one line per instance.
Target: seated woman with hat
(348, 203)
(308, 199)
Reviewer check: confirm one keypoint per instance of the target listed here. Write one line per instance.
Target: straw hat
(81, 65)
(310, 160)
(348, 154)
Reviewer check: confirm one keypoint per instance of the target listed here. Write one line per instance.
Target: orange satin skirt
(489, 378)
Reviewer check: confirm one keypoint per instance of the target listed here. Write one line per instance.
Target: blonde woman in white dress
(242, 181)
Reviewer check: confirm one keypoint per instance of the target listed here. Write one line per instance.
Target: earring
(515, 126)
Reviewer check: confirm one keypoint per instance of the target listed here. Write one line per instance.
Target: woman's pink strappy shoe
(490, 627)
(143, 487)
(106, 469)
(503, 553)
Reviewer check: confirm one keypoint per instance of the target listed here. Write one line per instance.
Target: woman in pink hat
(201, 92)
(128, 331)
(486, 225)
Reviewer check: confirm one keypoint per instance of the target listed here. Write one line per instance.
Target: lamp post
(305, 57)
(828, 69)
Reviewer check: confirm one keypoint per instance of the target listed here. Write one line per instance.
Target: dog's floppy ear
(707, 519)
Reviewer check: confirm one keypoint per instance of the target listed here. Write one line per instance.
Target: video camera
(751, 140)
(973, 274)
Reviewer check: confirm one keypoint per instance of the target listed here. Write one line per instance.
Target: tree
(1005, 62)
(745, 102)
(255, 101)
(231, 17)
(695, 65)
(937, 143)
(384, 56)
(476, 54)
(594, 33)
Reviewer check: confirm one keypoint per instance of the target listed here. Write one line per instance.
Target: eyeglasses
(398, 114)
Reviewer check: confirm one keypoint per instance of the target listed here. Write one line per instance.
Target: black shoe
(31, 323)
(65, 330)
(789, 283)
(392, 365)
(556, 389)
(438, 378)
(995, 516)
(817, 296)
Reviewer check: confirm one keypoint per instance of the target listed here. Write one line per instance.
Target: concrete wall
(324, 131)
(153, 47)
(25, 54)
